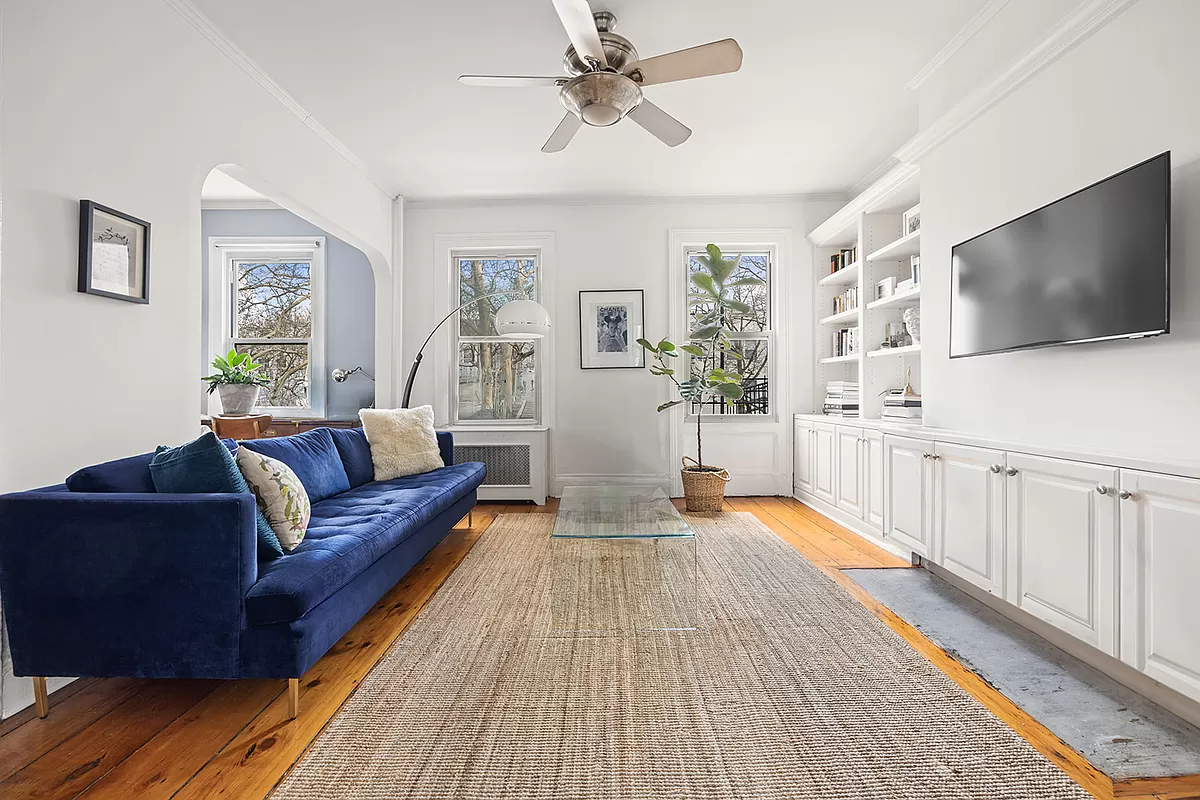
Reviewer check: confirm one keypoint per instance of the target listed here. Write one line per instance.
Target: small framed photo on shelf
(610, 323)
(114, 254)
(912, 220)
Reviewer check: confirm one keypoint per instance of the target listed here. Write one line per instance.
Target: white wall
(605, 422)
(1127, 93)
(130, 109)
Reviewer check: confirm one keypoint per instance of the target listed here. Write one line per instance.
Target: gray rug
(789, 689)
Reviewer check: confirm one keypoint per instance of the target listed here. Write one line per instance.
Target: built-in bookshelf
(865, 243)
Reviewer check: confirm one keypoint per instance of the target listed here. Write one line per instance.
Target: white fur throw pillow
(403, 441)
(280, 495)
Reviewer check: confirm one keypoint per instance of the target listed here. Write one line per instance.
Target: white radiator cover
(515, 460)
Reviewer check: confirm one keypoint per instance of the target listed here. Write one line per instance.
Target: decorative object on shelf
(610, 322)
(912, 321)
(519, 320)
(885, 288)
(114, 254)
(912, 220)
(902, 404)
(914, 263)
(340, 375)
(703, 485)
(896, 337)
(904, 286)
(237, 381)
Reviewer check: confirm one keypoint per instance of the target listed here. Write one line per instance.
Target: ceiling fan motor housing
(618, 51)
(601, 99)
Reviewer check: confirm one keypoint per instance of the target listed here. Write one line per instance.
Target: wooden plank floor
(122, 738)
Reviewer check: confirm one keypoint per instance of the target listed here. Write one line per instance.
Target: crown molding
(239, 205)
(208, 29)
(883, 169)
(417, 204)
(876, 197)
(974, 25)
(1078, 26)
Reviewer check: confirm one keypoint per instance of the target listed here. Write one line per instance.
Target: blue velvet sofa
(104, 577)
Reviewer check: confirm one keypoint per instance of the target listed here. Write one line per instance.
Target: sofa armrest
(126, 585)
(446, 446)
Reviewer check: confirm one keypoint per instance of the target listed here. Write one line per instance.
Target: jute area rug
(788, 689)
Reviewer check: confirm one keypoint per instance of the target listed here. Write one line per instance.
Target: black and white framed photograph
(610, 323)
(114, 253)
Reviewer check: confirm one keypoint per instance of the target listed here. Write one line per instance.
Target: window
(270, 307)
(750, 333)
(498, 379)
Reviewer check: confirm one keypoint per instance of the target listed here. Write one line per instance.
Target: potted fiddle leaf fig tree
(237, 380)
(698, 379)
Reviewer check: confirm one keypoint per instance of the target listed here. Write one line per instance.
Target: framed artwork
(114, 254)
(610, 323)
(912, 220)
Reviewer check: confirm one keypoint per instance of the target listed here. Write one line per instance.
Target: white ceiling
(819, 102)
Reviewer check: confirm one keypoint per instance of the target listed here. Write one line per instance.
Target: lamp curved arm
(412, 372)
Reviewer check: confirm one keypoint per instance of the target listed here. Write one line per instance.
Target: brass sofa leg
(293, 698)
(41, 697)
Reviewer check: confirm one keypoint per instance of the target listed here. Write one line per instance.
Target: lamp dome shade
(522, 319)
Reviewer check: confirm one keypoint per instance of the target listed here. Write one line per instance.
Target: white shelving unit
(872, 223)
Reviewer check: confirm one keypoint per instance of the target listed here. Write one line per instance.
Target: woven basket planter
(703, 488)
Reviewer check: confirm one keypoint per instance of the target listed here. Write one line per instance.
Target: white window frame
(447, 249)
(223, 253)
(768, 335)
(497, 254)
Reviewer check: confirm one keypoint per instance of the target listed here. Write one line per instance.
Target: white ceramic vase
(912, 322)
(237, 399)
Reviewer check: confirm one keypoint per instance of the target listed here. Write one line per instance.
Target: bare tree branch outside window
(273, 322)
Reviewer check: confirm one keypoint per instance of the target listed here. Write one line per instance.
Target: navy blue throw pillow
(206, 465)
(314, 458)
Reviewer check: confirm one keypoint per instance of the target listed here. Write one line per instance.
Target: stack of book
(841, 399)
(902, 405)
(845, 341)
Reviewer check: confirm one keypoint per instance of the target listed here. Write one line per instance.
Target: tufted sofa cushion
(350, 531)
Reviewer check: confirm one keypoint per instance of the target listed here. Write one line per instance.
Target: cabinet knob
(1101, 489)
(996, 469)
(935, 457)
(1125, 494)
(1010, 471)
(926, 456)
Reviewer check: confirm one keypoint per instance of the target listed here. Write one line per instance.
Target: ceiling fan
(605, 77)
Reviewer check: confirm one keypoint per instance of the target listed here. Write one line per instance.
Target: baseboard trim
(853, 524)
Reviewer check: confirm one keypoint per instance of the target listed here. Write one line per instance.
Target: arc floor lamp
(521, 319)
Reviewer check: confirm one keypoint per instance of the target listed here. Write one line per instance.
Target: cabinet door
(1160, 578)
(823, 461)
(1061, 526)
(848, 485)
(969, 518)
(907, 492)
(802, 457)
(872, 471)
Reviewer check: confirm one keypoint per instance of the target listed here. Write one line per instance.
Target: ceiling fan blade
(563, 134)
(576, 16)
(510, 81)
(714, 58)
(671, 131)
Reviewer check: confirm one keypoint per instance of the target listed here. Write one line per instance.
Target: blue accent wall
(349, 298)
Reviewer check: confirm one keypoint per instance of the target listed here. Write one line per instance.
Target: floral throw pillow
(280, 495)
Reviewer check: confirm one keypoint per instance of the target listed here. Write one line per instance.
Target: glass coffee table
(623, 561)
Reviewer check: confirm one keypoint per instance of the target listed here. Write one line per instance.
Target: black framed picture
(114, 253)
(610, 323)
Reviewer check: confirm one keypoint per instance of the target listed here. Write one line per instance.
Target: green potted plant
(237, 380)
(702, 380)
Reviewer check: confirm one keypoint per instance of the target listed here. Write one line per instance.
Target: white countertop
(1186, 469)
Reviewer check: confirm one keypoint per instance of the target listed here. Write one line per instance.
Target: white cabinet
(907, 495)
(872, 472)
(823, 461)
(848, 489)
(969, 515)
(1160, 578)
(802, 456)
(1061, 526)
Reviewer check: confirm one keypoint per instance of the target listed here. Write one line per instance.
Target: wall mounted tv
(1092, 266)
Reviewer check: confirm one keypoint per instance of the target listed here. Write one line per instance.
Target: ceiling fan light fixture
(601, 99)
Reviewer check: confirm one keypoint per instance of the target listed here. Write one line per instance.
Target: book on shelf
(846, 301)
(845, 341)
(841, 399)
(902, 404)
(842, 259)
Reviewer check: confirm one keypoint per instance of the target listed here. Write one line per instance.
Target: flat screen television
(1092, 266)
